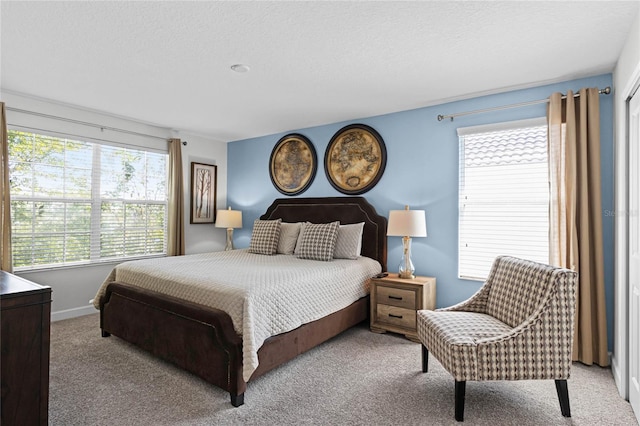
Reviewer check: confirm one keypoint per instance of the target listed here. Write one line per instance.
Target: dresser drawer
(399, 297)
(394, 315)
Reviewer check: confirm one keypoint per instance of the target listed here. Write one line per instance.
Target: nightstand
(394, 302)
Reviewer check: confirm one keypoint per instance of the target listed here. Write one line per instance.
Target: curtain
(5, 203)
(575, 214)
(175, 238)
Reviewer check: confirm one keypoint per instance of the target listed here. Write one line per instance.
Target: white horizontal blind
(133, 198)
(503, 195)
(79, 202)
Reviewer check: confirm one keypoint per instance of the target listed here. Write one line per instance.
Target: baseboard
(618, 378)
(73, 313)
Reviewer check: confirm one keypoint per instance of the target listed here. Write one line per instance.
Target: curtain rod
(86, 123)
(441, 117)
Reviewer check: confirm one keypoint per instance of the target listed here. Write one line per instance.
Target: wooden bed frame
(202, 340)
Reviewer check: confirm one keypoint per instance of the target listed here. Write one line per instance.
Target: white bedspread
(263, 295)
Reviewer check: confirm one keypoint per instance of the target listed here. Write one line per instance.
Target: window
(503, 195)
(79, 202)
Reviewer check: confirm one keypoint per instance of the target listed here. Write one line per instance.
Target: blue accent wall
(422, 171)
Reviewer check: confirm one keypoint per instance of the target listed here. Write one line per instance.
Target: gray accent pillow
(288, 237)
(317, 241)
(298, 245)
(265, 236)
(349, 241)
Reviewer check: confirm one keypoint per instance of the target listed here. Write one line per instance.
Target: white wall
(625, 78)
(73, 287)
(202, 238)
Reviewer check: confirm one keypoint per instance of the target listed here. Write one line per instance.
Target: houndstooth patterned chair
(518, 326)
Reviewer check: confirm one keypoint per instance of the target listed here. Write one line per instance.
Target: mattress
(263, 295)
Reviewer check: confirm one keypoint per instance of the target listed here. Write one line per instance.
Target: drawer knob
(395, 297)
(395, 316)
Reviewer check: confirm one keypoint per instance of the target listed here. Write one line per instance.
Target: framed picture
(203, 193)
(355, 159)
(293, 164)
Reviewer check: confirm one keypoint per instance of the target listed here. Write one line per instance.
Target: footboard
(194, 337)
(202, 340)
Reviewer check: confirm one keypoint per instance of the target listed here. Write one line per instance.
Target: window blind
(503, 195)
(81, 202)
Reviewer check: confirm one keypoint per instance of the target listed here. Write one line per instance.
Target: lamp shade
(407, 223)
(229, 219)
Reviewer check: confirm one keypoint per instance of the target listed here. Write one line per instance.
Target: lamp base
(229, 245)
(406, 269)
(406, 275)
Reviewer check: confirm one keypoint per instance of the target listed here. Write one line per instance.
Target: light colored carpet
(357, 378)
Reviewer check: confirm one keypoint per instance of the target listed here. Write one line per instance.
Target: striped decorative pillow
(265, 236)
(317, 241)
(349, 241)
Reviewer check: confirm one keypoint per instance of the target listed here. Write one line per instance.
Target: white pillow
(288, 237)
(349, 242)
(317, 241)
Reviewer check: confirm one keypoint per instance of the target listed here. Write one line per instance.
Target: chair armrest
(476, 303)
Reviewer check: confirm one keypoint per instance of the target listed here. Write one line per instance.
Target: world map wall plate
(293, 164)
(355, 159)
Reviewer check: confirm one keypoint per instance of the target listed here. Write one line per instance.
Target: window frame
(465, 269)
(95, 200)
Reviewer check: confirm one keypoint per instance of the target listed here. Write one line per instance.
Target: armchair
(518, 326)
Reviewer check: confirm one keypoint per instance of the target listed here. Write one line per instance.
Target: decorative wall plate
(293, 164)
(355, 159)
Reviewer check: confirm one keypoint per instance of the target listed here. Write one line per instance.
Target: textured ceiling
(312, 63)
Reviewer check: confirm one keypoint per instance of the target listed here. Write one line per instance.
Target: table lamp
(229, 219)
(406, 224)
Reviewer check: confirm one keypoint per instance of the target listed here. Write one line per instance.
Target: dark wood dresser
(25, 325)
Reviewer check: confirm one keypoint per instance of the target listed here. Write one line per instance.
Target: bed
(205, 341)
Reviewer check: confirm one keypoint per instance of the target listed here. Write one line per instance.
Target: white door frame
(633, 362)
(619, 359)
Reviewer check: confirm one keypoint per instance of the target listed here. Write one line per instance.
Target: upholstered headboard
(345, 209)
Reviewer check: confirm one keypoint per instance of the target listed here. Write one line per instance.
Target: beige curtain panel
(6, 263)
(175, 238)
(575, 214)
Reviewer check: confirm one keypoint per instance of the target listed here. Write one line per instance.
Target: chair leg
(563, 397)
(425, 359)
(460, 388)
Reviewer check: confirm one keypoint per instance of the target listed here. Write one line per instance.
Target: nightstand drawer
(395, 300)
(400, 317)
(396, 297)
